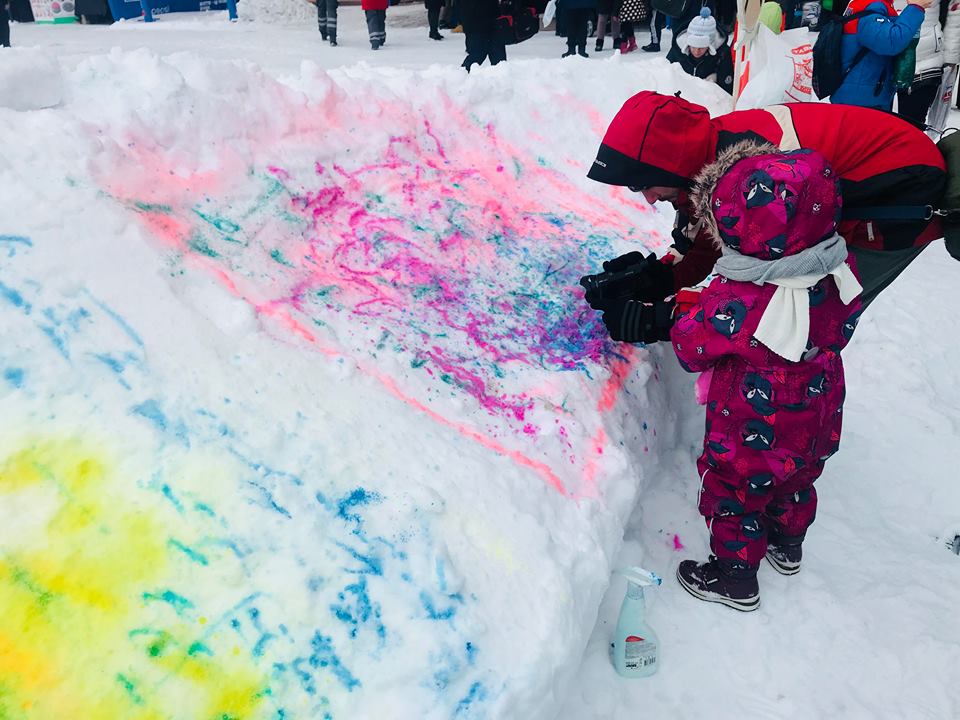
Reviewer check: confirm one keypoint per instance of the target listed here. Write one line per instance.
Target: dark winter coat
(884, 35)
(479, 16)
(665, 140)
(433, 4)
(633, 11)
(579, 4)
(719, 66)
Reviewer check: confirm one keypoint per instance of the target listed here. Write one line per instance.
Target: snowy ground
(304, 417)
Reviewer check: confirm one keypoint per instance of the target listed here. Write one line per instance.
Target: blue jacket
(870, 83)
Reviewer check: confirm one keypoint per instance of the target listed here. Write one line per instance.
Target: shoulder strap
(862, 52)
(890, 212)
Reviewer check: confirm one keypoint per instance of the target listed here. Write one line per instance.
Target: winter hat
(655, 140)
(768, 204)
(702, 30)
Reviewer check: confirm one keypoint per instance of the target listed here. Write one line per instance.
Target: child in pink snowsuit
(770, 328)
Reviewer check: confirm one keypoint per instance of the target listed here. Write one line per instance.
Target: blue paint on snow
(150, 411)
(324, 656)
(13, 241)
(14, 298)
(121, 323)
(477, 693)
(14, 376)
(268, 499)
(435, 613)
(356, 610)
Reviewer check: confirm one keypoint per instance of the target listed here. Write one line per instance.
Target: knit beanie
(702, 30)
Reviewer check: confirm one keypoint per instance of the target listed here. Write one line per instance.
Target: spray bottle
(635, 646)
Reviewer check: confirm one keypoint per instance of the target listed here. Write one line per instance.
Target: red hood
(856, 6)
(655, 140)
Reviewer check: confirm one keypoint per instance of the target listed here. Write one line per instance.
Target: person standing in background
(433, 17)
(4, 23)
(657, 23)
(479, 19)
(376, 12)
(578, 14)
(605, 11)
(938, 50)
(631, 13)
(868, 48)
(327, 19)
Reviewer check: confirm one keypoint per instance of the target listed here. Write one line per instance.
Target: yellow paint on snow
(92, 624)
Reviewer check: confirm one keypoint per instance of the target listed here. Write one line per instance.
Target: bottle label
(639, 653)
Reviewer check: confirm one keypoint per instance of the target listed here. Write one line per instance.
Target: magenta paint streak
(436, 245)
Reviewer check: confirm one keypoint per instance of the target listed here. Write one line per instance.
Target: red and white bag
(780, 69)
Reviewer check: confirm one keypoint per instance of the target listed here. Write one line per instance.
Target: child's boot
(624, 47)
(599, 46)
(633, 43)
(728, 582)
(582, 51)
(784, 553)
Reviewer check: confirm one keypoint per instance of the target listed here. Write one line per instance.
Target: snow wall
(304, 415)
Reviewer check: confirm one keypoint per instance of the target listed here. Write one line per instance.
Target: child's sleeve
(721, 324)
(691, 342)
(889, 36)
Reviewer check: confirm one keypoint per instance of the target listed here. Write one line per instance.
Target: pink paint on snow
(436, 242)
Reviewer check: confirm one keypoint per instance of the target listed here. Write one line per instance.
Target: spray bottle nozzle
(639, 576)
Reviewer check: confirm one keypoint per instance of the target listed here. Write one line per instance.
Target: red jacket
(882, 161)
(374, 4)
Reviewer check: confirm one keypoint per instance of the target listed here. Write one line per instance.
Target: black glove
(622, 262)
(634, 321)
(647, 279)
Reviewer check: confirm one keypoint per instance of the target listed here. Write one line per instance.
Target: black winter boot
(785, 553)
(651, 47)
(728, 582)
(582, 51)
(599, 46)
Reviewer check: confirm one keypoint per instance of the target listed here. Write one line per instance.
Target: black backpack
(828, 72)
(518, 21)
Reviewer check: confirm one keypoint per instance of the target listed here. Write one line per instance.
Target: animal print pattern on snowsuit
(771, 423)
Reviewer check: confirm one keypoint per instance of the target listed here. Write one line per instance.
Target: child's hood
(766, 203)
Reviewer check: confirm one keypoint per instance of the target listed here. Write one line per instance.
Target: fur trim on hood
(705, 184)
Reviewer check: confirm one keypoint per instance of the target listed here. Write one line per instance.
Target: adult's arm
(886, 35)
(697, 263)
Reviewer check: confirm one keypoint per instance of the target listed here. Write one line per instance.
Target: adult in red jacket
(889, 170)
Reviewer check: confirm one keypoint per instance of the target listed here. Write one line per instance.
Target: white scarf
(785, 325)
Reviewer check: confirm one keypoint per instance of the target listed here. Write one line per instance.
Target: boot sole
(782, 568)
(739, 605)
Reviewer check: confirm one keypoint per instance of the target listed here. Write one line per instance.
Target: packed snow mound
(278, 11)
(29, 79)
(306, 416)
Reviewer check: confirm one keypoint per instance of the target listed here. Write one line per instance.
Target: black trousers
(657, 23)
(433, 18)
(376, 26)
(914, 103)
(577, 22)
(4, 27)
(327, 18)
(481, 46)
